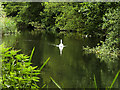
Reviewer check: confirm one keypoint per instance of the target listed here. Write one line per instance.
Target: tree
(24, 13)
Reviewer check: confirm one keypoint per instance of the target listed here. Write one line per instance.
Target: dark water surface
(72, 69)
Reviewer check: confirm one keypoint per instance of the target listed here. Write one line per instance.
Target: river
(71, 69)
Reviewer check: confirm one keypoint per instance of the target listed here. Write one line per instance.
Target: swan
(61, 46)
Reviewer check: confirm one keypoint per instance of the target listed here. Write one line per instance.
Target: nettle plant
(17, 71)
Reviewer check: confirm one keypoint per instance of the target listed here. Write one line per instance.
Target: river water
(71, 69)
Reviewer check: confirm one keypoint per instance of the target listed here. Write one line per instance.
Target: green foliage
(61, 15)
(55, 83)
(85, 17)
(12, 8)
(1, 10)
(109, 88)
(23, 12)
(70, 18)
(109, 50)
(17, 71)
(44, 64)
(31, 54)
(95, 82)
(7, 25)
(114, 79)
(30, 12)
(49, 15)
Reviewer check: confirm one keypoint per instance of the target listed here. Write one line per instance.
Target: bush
(17, 71)
(109, 50)
(7, 25)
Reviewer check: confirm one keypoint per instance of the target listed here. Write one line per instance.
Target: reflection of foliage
(108, 50)
(10, 40)
(17, 71)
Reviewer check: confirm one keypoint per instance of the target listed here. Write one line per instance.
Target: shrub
(7, 25)
(108, 50)
(17, 71)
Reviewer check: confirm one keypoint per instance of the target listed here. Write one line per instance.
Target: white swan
(61, 46)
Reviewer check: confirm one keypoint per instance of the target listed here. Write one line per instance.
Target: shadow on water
(72, 69)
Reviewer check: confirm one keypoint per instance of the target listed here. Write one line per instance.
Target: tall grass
(114, 80)
(110, 87)
(31, 54)
(95, 82)
(55, 83)
(44, 63)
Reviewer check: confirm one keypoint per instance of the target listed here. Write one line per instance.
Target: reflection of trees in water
(72, 69)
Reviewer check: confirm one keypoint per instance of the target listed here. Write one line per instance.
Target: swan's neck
(61, 41)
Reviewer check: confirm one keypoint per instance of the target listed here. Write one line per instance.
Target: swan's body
(60, 45)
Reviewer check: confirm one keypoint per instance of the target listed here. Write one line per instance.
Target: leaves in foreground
(114, 79)
(55, 83)
(17, 71)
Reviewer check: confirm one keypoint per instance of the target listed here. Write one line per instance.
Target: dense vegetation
(86, 18)
(96, 19)
(17, 69)
(7, 24)
(109, 49)
(99, 19)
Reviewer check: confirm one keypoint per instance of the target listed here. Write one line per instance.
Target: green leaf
(95, 82)
(44, 63)
(35, 85)
(43, 85)
(13, 52)
(55, 83)
(114, 79)
(31, 54)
